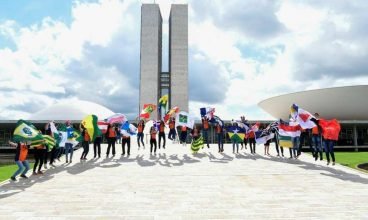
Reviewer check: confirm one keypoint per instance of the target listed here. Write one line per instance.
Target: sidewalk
(175, 184)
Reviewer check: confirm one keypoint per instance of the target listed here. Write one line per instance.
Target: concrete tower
(153, 82)
(151, 54)
(178, 56)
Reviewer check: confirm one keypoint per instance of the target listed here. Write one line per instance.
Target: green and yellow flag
(197, 144)
(49, 141)
(90, 123)
(163, 101)
(25, 131)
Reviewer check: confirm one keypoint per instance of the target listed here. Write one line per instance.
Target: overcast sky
(240, 52)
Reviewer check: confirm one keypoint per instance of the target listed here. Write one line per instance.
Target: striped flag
(116, 118)
(49, 141)
(197, 144)
(286, 132)
(103, 126)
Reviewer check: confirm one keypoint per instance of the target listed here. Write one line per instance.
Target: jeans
(153, 142)
(126, 141)
(329, 149)
(60, 152)
(97, 147)
(205, 135)
(237, 146)
(220, 142)
(85, 149)
(110, 144)
(161, 135)
(317, 146)
(140, 139)
(21, 165)
(172, 134)
(69, 147)
(183, 137)
(38, 156)
(252, 145)
(296, 142)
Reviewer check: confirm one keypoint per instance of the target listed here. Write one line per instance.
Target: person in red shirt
(153, 141)
(252, 142)
(20, 159)
(161, 134)
(219, 132)
(111, 138)
(205, 127)
(172, 132)
(140, 134)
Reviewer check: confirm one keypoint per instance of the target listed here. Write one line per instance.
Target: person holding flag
(316, 139)
(140, 134)
(153, 141)
(205, 127)
(111, 138)
(85, 142)
(161, 134)
(20, 159)
(219, 133)
(69, 142)
(172, 132)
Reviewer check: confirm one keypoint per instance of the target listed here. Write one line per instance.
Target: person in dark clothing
(161, 135)
(219, 133)
(153, 141)
(111, 138)
(125, 142)
(252, 142)
(172, 132)
(140, 133)
(205, 128)
(97, 147)
(183, 135)
(85, 143)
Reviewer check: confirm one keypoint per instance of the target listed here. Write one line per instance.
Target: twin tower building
(154, 83)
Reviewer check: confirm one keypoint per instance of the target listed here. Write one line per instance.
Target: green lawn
(351, 159)
(7, 170)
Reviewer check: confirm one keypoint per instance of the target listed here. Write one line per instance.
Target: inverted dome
(72, 110)
(342, 103)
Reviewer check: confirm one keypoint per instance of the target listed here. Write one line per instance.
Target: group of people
(43, 155)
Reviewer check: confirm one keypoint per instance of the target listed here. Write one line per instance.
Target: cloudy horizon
(240, 52)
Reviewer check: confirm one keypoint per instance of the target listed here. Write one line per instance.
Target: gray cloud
(254, 18)
(337, 53)
(206, 84)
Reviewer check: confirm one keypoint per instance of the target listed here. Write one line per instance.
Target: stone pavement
(175, 184)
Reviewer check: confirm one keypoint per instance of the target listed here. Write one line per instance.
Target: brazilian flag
(197, 144)
(90, 124)
(25, 131)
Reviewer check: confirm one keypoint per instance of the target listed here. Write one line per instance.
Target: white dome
(74, 110)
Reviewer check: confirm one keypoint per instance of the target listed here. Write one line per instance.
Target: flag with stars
(236, 133)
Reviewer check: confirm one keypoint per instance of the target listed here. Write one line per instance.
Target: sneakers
(24, 176)
(333, 163)
(40, 172)
(45, 166)
(328, 163)
(34, 173)
(66, 161)
(13, 178)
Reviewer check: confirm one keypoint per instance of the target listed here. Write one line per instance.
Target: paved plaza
(175, 184)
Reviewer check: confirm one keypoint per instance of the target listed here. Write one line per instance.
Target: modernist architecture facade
(155, 83)
(347, 104)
